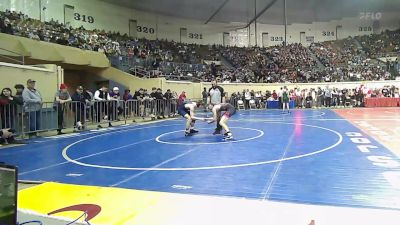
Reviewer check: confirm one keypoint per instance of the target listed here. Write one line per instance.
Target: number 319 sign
(83, 18)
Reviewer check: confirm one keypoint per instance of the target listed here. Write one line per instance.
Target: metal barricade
(74, 115)
(32, 118)
(159, 108)
(11, 117)
(105, 112)
(40, 117)
(148, 106)
(133, 109)
(150, 109)
(171, 107)
(79, 115)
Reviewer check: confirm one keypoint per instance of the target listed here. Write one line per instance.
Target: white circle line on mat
(158, 139)
(65, 155)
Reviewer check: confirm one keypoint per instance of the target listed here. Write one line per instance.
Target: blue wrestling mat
(306, 156)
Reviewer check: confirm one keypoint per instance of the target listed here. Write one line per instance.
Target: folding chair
(252, 104)
(347, 102)
(240, 105)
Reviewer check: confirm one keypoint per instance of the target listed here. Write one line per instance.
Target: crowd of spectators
(339, 60)
(97, 106)
(314, 97)
(111, 43)
(378, 45)
(335, 53)
(104, 105)
(56, 32)
(343, 61)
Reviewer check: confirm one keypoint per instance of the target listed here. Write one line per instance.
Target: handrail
(139, 71)
(179, 78)
(387, 54)
(181, 64)
(12, 59)
(26, 67)
(147, 74)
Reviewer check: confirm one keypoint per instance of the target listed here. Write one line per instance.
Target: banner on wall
(146, 30)
(194, 36)
(239, 38)
(69, 15)
(310, 38)
(182, 34)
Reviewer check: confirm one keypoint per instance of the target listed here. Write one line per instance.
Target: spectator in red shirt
(182, 97)
(274, 95)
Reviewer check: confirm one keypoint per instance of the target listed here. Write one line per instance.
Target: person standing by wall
(335, 97)
(127, 95)
(280, 97)
(285, 99)
(79, 108)
(152, 102)
(182, 97)
(115, 108)
(309, 101)
(314, 97)
(89, 104)
(247, 98)
(8, 108)
(205, 95)
(320, 97)
(160, 104)
(19, 88)
(101, 97)
(33, 105)
(139, 97)
(328, 97)
(171, 103)
(61, 98)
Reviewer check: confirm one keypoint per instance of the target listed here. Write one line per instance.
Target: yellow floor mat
(104, 205)
(133, 207)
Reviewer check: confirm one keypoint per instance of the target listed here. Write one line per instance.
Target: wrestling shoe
(193, 131)
(216, 132)
(228, 136)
